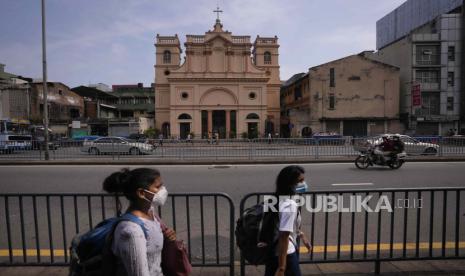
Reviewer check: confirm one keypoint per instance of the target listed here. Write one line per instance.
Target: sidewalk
(449, 267)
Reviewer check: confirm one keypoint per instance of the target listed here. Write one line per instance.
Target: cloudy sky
(111, 41)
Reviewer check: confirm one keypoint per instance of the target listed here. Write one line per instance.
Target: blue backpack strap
(135, 219)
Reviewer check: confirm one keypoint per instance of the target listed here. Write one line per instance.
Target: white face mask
(158, 198)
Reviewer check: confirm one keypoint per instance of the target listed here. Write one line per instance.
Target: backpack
(257, 234)
(91, 251)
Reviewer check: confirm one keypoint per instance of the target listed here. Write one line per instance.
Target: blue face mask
(301, 187)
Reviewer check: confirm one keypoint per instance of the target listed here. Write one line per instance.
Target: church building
(224, 85)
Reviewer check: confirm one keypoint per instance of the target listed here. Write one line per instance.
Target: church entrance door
(219, 122)
(184, 129)
(252, 130)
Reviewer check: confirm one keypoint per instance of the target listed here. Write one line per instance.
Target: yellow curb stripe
(382, 247)
(316, 249)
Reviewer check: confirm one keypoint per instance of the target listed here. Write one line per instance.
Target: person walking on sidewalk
(138, 254)
(291, 180)
(160, 139)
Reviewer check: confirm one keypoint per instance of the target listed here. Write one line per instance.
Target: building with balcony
(351, 96)
(126, 110)
(424, 38)
(226, 85)
(64, 106)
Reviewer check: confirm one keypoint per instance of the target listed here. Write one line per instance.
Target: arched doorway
(184, 127)
(307, 132)
(252, 125)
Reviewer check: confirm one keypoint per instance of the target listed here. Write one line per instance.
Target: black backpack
(91, 251)
(257, 234)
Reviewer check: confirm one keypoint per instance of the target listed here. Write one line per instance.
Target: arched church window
(166, 56)
(252, 116)
(184, 116)
(267, 57)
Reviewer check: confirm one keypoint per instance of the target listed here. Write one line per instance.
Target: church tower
(167, 58)
(266, 57)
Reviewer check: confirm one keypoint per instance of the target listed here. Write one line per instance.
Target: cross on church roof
(217, 13)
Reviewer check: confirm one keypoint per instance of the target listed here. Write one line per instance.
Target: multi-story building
(14, 102)
(136, 109)
(134, 100)
(64, 106)
(223, 86)
(351, 96)
(128, 109)
(97, 109)
(424, 38)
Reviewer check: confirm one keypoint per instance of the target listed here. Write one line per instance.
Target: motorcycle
(370, 158)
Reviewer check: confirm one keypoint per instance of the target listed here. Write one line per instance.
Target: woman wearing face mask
(291, 180)
(139, 254)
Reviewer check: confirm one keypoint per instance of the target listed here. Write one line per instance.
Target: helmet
(396, 137)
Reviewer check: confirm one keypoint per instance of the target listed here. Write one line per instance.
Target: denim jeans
(292, 265)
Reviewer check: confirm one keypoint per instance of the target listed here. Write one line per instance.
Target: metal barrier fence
(425, 224)
(239, 149)
(36, 229)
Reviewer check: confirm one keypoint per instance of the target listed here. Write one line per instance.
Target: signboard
(76, 124)
(416, 95)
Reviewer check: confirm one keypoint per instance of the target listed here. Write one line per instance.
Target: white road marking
(351, 184)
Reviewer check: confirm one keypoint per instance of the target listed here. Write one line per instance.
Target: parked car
(117, 145)
(412, 146)
(137, 137)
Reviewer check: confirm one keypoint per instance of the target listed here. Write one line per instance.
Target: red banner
(416, 95)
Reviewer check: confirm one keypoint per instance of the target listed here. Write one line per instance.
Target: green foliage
(152, 133)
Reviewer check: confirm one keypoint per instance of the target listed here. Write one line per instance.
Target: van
(12, 142)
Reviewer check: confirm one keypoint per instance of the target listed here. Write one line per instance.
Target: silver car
(116, 145)
(412, 146)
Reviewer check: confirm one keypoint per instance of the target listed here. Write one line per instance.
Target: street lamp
(44, 83)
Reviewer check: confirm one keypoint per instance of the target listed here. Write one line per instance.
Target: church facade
(225, 85)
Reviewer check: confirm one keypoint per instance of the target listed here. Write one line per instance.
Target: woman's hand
(170, 234)
(305, 241)
(280, 272)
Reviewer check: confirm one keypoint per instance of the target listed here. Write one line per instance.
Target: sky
(112, 41)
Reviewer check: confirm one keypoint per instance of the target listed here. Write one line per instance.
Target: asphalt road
(211, 229)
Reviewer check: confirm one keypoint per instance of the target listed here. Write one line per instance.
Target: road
(236, 181)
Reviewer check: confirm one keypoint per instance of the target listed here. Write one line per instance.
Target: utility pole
(44, 82)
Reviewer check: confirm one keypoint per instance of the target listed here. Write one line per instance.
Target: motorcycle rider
(398, 146)
(384, 149)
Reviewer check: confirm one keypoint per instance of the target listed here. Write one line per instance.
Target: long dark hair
(287, 180)
(128, 181)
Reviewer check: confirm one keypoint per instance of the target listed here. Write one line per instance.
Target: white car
(116, 145)
(412, 146)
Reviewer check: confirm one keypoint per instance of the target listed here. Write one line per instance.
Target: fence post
(40, 151)
(441, 144)
(317, 148)
(250, 149)
(377, 267)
